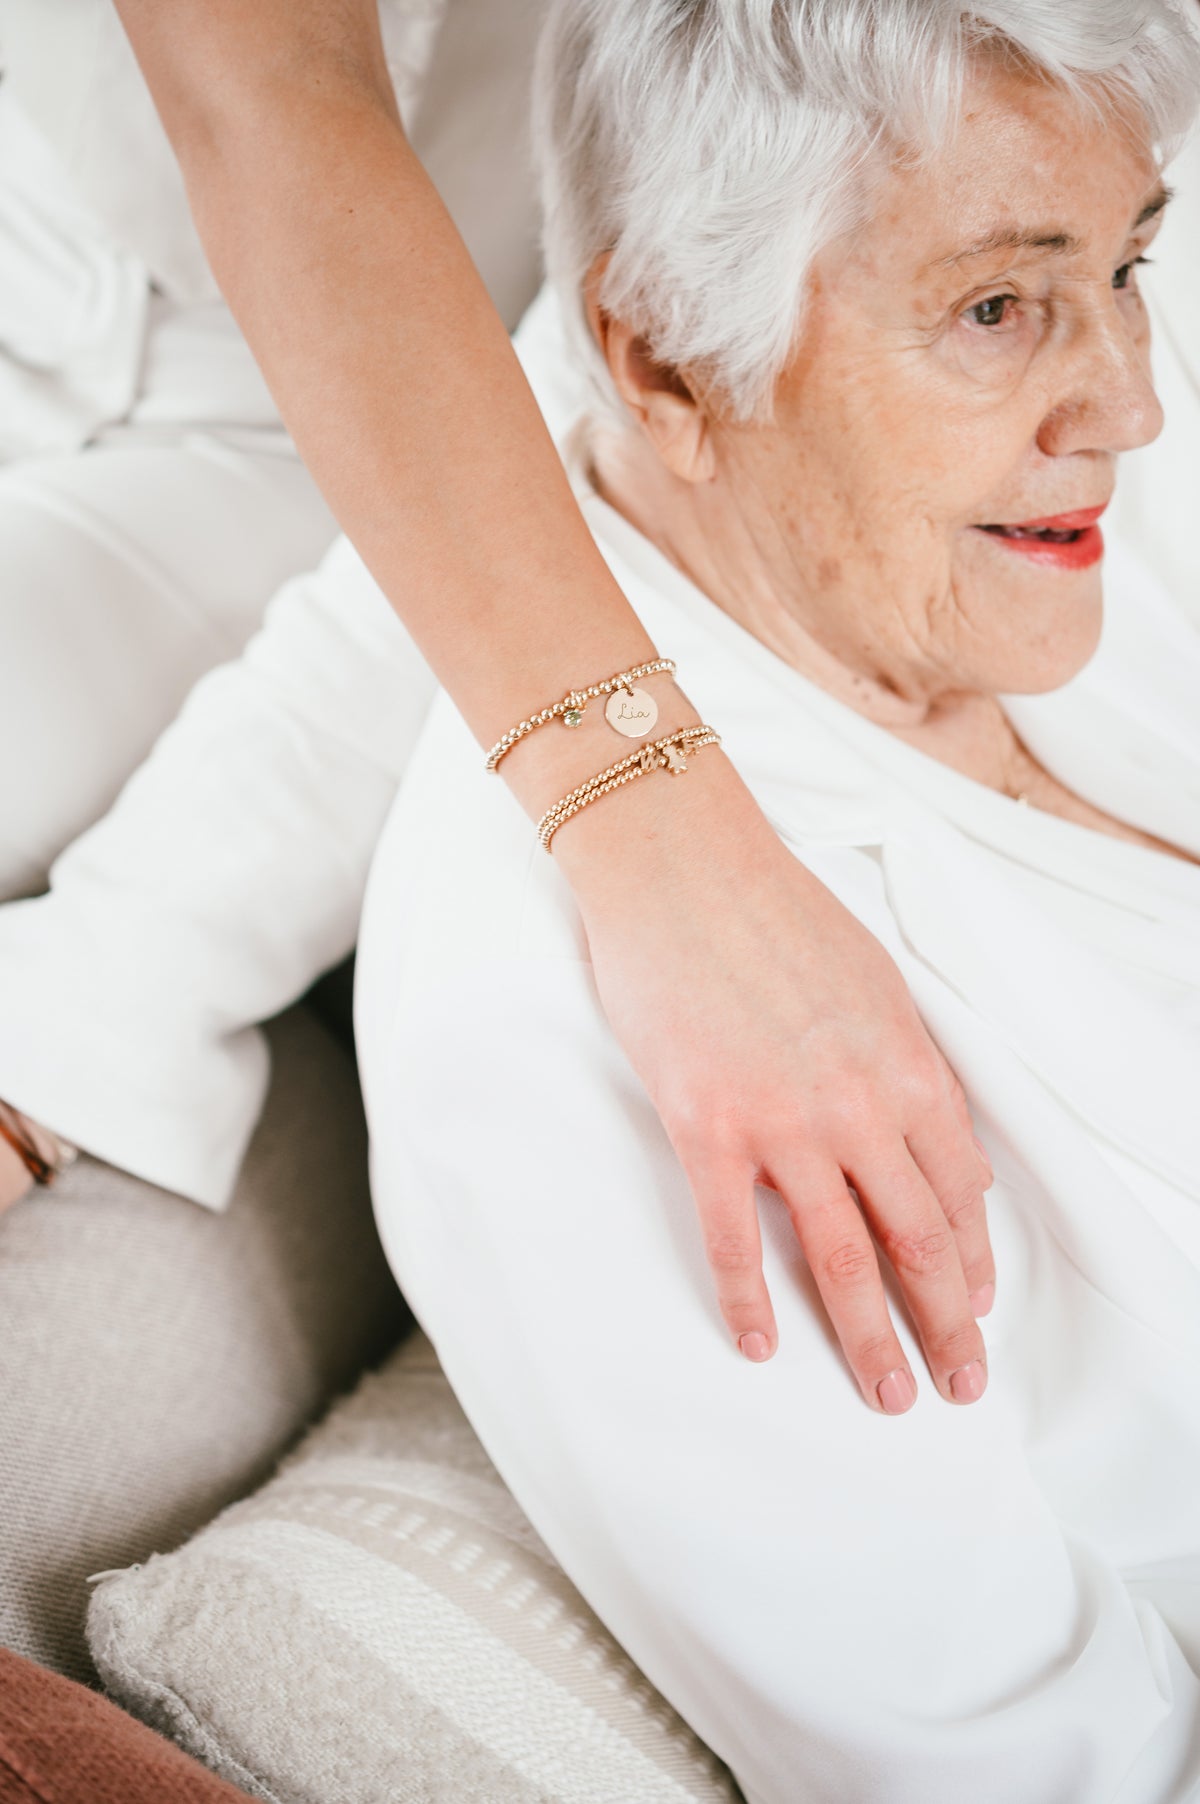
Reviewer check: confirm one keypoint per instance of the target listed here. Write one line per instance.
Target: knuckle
(877, 1353)
(963, 1206)
(701, 1130)
(732, 1255)
(854, 1106)
(847, 1261)
(955, 1346)
(920, 1255)
(958, 1095)
(926, 1083)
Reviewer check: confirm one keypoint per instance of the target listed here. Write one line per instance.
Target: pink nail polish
(968, 1384)
(897, 1392)
(981, 1300)
(755, 1346)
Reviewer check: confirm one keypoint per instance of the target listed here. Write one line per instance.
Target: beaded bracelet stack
(669, 753)
(630, 711)
(570, 710)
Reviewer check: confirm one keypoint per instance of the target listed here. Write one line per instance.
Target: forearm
(386, 356)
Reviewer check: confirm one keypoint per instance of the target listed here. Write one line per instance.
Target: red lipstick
(1067, 541)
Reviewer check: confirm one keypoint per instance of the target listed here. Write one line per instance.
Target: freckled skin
(844, 531)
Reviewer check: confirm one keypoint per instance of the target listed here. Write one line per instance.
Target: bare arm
(774, 1035)
(374, 330)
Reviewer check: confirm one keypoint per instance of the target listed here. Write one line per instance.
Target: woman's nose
(1109, 403)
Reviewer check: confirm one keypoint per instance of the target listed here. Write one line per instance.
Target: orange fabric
(63, 1744)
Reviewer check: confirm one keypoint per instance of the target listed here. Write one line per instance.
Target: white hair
(714, 147)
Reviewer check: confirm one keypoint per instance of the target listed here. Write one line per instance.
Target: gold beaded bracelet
(669, 753)
(633, 722)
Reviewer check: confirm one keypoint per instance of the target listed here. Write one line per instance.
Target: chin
(1047, 622)
(1057, 649)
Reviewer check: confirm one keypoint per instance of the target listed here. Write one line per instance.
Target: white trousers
(129, 569)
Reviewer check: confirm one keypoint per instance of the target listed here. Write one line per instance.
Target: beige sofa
(377, 1621)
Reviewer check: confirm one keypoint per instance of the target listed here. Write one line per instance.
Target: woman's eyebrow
(1056, 243)
(1154, 205)
(1008, 238)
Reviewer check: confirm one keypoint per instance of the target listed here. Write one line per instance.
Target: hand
(15, 1181)
(779, 1045)
(16, 1178)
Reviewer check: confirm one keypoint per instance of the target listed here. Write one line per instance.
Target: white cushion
(380, 1623)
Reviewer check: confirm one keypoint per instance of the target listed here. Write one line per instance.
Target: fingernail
(968, 1384)
(982, 1151)
(982, 1299)
(755, 1346)
(896, 1392)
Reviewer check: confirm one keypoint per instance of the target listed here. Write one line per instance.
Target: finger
(959, 1195)
(958, 1102)
(958, 1172)
(837, 1246)
(15, 1178)
(724, 1195)
(918, 1241)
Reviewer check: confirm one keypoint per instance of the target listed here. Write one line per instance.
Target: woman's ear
(655, 393)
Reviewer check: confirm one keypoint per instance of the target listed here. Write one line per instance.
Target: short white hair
(714, 147)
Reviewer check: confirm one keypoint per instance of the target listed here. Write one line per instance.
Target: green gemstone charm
(573, 717)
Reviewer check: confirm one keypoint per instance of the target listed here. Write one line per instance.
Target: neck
(734, 552)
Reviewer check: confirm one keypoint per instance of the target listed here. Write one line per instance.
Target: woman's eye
(1123, 276)
(992, 312)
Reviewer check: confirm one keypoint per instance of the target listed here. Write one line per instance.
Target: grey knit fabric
(156, 1358)
(381, 1625)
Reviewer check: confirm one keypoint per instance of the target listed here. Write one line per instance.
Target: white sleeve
(227, 876)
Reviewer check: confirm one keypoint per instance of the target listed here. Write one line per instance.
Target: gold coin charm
(632, 712)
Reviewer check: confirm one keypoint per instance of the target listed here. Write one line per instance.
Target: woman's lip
(1074, 522)
(1079, 553)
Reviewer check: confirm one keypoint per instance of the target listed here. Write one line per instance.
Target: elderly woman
(861, 295)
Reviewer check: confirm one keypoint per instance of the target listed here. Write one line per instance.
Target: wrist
(553, 760)
(686, 836)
